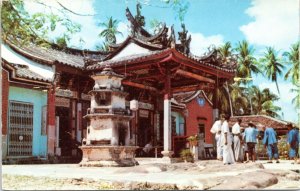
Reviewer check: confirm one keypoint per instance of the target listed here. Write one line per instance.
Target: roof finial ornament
(139, 18)
(172, 38)
(185, 41)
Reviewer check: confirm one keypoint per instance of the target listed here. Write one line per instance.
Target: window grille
(20, 129)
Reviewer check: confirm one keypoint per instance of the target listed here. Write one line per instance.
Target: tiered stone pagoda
(107, 141)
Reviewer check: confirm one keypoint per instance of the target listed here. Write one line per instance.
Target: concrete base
(108, 156)
(167, 156)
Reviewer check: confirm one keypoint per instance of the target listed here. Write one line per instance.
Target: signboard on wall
(62, 102)
(143, 113)
(64, 93)
(85, 97)
(142, 105)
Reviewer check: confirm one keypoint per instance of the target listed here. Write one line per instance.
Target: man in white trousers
(228, 157)
(216, 129)
(237, 147)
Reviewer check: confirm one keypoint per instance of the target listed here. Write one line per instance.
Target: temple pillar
(167, 153)
(51, 121)
(215, 103)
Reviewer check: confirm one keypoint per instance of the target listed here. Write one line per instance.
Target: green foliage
(263, 102)
(110, 31)
(272, 66)
(247, 63)
(154, 25)
(225, 52)
(179, 7)
(283, 148)
(20, 26)
(193, 138)
(293, 58)
(296, 99)
(187, 155)
(103, 47)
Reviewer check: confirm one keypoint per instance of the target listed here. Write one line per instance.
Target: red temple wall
(5, 91)
(195, 111)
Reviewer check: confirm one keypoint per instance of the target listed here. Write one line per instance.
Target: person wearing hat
(293, 141)
(270, 142)
(250, 139)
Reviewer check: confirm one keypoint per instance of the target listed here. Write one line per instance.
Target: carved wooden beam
(195, 76)
(137, 85)
(191, 88)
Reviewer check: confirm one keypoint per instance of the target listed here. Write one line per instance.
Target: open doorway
(144, 131)
(65, 133)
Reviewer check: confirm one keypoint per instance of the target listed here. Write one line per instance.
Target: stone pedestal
(195, 152)
(108, 156)
(167, 156)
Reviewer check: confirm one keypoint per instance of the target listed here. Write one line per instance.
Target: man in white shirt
(228, 157)
(147, 148)
(216, 129)
(236, 131)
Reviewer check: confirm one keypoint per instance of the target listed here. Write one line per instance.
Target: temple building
(169, 83)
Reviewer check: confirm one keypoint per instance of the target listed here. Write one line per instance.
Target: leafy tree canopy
(20, 26)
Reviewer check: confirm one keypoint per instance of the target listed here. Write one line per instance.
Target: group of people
(239, 144)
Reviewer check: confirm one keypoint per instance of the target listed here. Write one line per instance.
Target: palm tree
(263, 102)
(296, 99)
(272, 65)
(222, 99)
(225, 52)
(247, 63)
(230, 95)
(110, 31)
(103, 47)
(239, 99)
(293, 58)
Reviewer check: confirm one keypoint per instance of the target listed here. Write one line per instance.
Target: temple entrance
(65, 134)
(144, 131)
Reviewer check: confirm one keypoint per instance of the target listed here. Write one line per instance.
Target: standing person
(270, 142)
(236, 131)
(228, 157)
(297, 146)
(216, 129)
(250, 138)
(147, 148)
(293, 141)
(245, 154)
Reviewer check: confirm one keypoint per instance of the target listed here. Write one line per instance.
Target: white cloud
(124, 29)
(285, 101)
(200, 43)
(89, 29)
(276, 23)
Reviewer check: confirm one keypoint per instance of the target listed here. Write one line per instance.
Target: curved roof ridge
(135, 24)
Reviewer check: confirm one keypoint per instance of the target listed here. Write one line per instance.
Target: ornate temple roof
(48, 55)
(139, 46)
(186, 97)
(157, 44)
(23, 72)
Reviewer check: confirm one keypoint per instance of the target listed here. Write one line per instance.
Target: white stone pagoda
(107, 141)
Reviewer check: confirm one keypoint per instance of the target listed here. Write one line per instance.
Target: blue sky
(260, 22)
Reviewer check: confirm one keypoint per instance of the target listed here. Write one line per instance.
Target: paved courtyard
(150, 174)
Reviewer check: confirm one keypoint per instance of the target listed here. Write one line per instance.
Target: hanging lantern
(134, 105)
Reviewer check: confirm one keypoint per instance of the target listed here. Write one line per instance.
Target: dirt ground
(200, 175)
